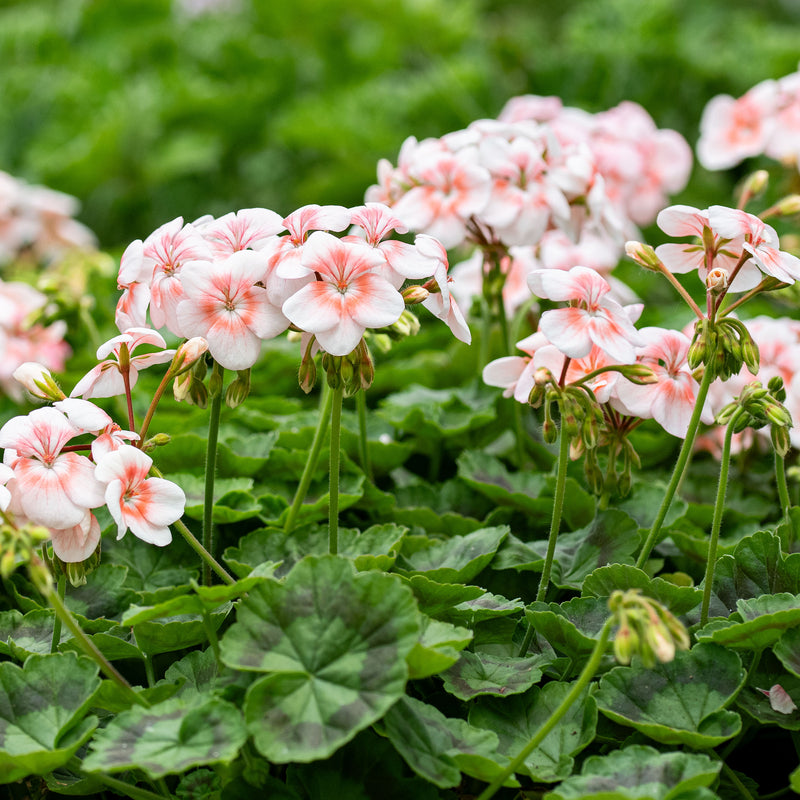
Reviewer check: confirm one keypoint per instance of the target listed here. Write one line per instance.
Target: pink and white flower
(224, 305)
(593, 318)
(55, 488)
(349, 295)
(145, 506)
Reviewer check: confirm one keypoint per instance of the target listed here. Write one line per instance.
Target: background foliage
(145, 111)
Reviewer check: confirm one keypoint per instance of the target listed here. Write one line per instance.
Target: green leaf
(439, 748)
(167, 634)
(477, 674)
(763, 621)
(527, 491)
(756, 704)
(604, 580)
(435, 598)
(456, 560)
(438, 648)
(225, 489)
(571, 627)
(196, 673)
(103, 595)
(788, 650)
(115, 644)
(487, 606)
(21, 636)
(639, 773)
(152, 568)
(517, 720)
(680, 702)
(611, 537)
(757, 567)
(42, 710)
(168, 738)
(334, 644)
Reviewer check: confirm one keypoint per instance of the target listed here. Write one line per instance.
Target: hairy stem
(211, 470)
(719, 508)
(62, 590)
(680, 466)
(333, 493)
(578, 687)
(325, 402)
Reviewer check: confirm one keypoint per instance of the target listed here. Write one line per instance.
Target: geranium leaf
(168, 738)
(761, 622)
(756, 567)
(42, 708)
(680, 702)
(439, 748)
(604, 580)
(437, 649)
(103, 595)
(517, 719)
(436, 599)
(788, 650)
(334, 644)
(167, 634)
(455, 560)
(640, 773)
(477, 674)
(571, 627)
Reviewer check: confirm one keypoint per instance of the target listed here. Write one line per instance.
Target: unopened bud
(307, 375)
(786, 207)
(542, 376)
(626, 643)
(215, 381)
(187, 354)
(239, 389)
(776, 388)
(407, 325)
(717, 280)
(414, 294)
(756, 182)
(750, 355)
(549, 431)
(645, 255)
(37, 379)
(8, 563)
(640, 374)
(159, 440)
(778, 415)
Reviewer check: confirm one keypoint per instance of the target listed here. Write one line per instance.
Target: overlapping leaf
(333, 644)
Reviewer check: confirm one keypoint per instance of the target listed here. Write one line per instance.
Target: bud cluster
(646, 629)
(756, 407)
(723, 345)
(17, 545)
(353, 372)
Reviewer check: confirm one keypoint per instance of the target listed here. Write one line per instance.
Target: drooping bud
(159, 440)
(307, 375)
(640, 374)
(38, 380)
(215, 382)
(238, 389)
(752, 186)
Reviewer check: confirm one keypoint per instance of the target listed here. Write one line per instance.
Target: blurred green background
(146, 111)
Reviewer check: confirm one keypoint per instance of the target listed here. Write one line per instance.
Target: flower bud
(8, 563)
(159, 440)
(542, 377)
(778, 415)
(640, 374)
(549, 431)
(187, 354)
(645, 255)
(239, 389)
(215, 382)
(717, 280)
(780, 440)
(414, 294)
(38, 381)
(307, 375)
(626, 643)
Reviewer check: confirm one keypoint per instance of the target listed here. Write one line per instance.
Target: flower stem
(89, 647)
(211, 469)
(783, 494)
(719, 508)
(681, 464)
(333, 493)
(153, 405)
(61, 589)
(578, 687)
(325, 401)
(208, 560)
(555, 525)
(558, 506)
(363, 445)
(134, 792)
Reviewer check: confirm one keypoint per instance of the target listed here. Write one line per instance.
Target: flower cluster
(764, 120)
(541, 187)
(24, 337)
(48, 482)
(37, 222)
(250, 275)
